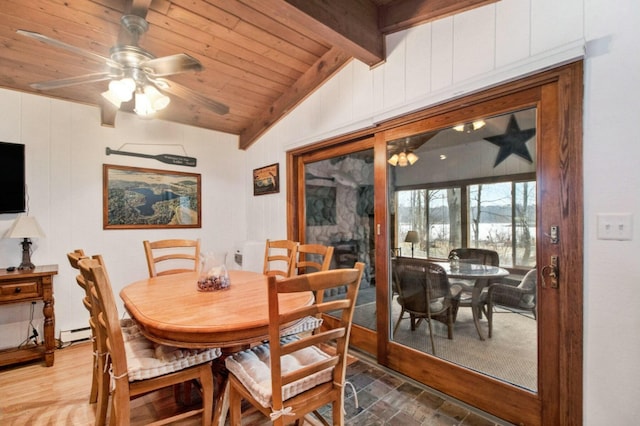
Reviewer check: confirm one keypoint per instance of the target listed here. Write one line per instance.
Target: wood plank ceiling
(260, 57)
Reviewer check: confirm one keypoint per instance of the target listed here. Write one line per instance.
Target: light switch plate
(615, 226)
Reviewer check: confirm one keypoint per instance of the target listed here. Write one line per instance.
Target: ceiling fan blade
(72, 81)
(190, 95)
(173, 64)
(74, 49)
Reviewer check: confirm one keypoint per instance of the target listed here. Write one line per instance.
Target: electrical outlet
(615, 226)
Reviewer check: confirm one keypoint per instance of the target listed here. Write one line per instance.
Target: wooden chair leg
(95, 386)
(103, 379)
(235, 401)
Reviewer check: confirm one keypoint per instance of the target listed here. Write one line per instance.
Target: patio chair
(423, 293)
(517, 299)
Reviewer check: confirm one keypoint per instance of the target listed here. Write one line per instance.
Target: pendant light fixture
(404, 158)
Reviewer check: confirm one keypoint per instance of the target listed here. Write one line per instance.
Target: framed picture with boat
(138, 198)
(266, 180)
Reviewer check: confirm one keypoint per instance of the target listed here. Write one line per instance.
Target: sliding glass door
(339, 212)
(498, 172)
(464, 191)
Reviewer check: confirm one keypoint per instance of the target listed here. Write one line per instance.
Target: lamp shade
(412, 237)
(25, 227)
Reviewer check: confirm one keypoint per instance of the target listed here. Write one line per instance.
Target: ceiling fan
(134, 72)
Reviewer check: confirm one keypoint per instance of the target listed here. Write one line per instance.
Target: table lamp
(25, 227)
(412, 237)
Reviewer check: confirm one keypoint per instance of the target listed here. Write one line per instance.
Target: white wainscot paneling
(473, 43)
(362, 91)
(555, 23)
(10, 112)
(418, 42)
(395, 69)
(513, 31)
(441, 53)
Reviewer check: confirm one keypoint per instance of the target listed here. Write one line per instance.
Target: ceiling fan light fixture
(143, 107)
(156, 99)
(122, 89)
(393, 160)
(109, 96)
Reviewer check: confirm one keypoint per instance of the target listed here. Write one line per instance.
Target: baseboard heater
(76, 335)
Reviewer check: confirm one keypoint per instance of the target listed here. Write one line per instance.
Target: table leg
(476, 308)
(221, 398)
(221, 379)
(221, 406)
(476, 319)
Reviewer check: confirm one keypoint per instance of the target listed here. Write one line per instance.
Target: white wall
(426, 65)
(65, 151)
(611, 182)
(500, 42)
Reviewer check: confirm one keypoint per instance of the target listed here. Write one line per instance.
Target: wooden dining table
(171, 310)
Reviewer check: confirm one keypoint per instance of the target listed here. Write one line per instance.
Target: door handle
(552, 272)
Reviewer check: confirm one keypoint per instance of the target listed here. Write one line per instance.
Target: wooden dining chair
(313, 258)
(98, 381)
(137, 365)
(100, 365)
(292, 377)
(279, 258)
(173, 256)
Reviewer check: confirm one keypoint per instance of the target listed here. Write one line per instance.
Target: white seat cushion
(129, 329)
(252, 367)
(304, 325)
(146, 359)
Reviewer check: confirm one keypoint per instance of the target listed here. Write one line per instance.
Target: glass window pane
(468, 186)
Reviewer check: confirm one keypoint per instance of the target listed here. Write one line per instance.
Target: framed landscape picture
(135, 198)
(266, 180)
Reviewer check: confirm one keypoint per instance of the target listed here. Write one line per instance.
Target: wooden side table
(30, 285)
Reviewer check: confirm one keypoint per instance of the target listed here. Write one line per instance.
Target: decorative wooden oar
(178, 160)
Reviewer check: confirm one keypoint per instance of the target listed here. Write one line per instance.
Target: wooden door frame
(560, 393)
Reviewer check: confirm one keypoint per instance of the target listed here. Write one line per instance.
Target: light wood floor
(33, 394)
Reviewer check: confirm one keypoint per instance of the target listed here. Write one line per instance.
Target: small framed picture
(266, 180)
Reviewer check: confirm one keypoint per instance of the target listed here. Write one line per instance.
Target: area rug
(511, 355)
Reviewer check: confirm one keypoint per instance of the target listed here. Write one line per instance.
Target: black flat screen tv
(12, 180)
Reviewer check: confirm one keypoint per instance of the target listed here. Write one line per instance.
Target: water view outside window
(501, 217)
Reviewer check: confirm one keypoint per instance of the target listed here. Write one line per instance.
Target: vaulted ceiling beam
(404, 14)
(351, 25)
(322, 70)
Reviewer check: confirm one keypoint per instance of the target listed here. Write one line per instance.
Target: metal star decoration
(512, 142)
